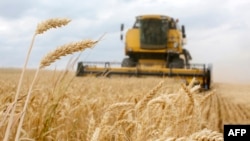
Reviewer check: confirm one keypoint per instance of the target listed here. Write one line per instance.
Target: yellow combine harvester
(154, 46)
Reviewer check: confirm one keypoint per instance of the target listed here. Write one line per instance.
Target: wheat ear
(208, 135)
(65, 50)
(111, 108)
(51, 23)
(143, 102)
(95, 136)
(41, 27)
(188, 92)
(46, 61)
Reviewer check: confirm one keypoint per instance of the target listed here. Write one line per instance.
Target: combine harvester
(154, 47)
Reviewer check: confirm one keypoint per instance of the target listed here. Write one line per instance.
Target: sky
(217, 31)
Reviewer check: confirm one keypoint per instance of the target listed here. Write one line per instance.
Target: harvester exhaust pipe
(183, 31)
(122, 28)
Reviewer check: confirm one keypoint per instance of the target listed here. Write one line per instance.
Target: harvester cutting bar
(200, 72)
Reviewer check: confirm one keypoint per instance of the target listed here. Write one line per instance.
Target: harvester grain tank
(154, 47)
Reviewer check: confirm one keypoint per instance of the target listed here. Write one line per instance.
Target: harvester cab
(153, 46)
(156, 39)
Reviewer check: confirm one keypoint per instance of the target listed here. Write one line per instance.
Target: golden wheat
(120, 116)
(51, 23)
(207, 135)
(96, 134)
(65, 50)
(78, 111)
(42, 27)
(143, 102)
(90, 127)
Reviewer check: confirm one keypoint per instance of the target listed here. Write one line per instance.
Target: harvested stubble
(76, 110)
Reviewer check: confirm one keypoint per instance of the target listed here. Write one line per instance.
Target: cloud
(12, 9)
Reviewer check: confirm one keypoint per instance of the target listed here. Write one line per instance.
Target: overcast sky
(217, 30)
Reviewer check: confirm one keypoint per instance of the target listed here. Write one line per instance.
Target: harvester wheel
(128, 62)
(177, 63)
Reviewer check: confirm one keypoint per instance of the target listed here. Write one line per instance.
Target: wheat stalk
(41, 27)
(51, 23)
(120, 116)
(124, 121)
(65, 50)
(156, 100)
(111, 108)
(205, 98)
(90, 127)
(188, 92)
(96, 134)
(119, 105)
(51, 57)
(143, 102)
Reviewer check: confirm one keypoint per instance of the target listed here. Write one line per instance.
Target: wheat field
(65, 107)
(51, 105)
